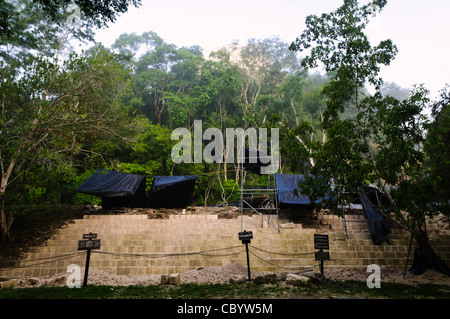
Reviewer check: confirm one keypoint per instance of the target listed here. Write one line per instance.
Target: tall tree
(31, 28)
(49, 112)
(337, 41)
(100, 12)
(437, 148)
(382, 142)
(263, 63)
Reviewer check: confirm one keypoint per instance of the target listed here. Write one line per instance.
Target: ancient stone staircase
(138, 245)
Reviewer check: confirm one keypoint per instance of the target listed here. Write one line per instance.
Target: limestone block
(266, 279)
(290, 225)
(238, 279)
(12, 283)
(174, 279)
(297, 280)
(164, 279)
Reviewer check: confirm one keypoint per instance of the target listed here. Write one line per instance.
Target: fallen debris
(232, 273)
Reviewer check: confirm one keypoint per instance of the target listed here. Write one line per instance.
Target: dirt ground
(223, 275)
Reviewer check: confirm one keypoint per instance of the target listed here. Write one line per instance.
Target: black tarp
(171, 191)
(419, 265)
(376, 196)
(115, 188)
(378, 227)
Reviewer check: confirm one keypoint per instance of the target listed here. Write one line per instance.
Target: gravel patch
(224, 274)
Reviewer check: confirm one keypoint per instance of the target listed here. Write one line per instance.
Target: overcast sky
(419, 28)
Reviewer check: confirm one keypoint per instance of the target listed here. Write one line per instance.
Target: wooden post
(407, 257)
(86, 269)
(321, 264)
(248, 263)
(88, 243)
(246, 237)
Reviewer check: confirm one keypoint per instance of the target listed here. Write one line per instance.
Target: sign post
(321, 242)
(88, 243)
(246, 237)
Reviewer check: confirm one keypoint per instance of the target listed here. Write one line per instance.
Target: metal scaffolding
(259, 199)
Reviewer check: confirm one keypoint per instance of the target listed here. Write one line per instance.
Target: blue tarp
(378, 228)
(286, 184)
(108, 183)
(161, 182)
(115, 188)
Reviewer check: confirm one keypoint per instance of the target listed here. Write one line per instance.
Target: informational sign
(89, 236)
(321, 242)
(89, 242)
(245, 236)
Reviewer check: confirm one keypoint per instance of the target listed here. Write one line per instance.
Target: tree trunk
(4, 220)
(425, 248)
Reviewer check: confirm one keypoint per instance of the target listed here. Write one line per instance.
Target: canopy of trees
(387, 141)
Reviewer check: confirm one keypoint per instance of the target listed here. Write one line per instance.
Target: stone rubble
(232, 274)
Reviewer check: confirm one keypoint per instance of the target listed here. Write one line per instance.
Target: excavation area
(201, 245)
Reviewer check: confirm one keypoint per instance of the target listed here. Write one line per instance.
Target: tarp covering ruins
(171, 191)
(286, 184)
(371, 202)
(372, 199)
(128, 190)
(115, 188)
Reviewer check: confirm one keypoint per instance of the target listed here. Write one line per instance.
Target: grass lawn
(323, 290)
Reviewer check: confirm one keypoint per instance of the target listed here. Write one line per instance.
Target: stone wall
(134, 244)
